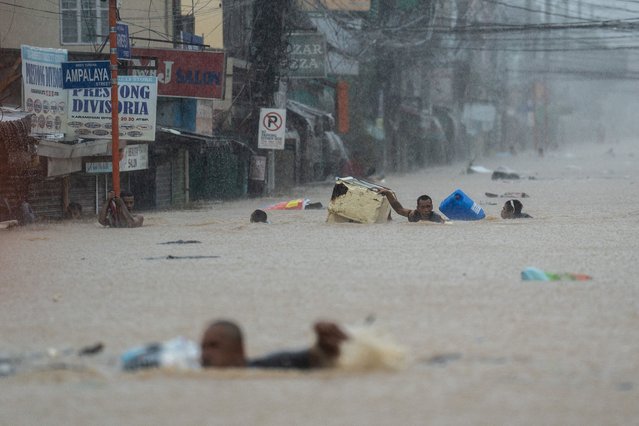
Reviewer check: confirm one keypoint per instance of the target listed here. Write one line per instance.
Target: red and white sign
(182, 73)
(272, 129)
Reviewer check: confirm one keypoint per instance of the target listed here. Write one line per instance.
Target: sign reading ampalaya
(43, 94)
(272, 132)
(90, 110)
(307, 55)
(183, 73)
(86, 74)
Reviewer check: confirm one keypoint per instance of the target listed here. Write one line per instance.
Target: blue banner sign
(122, 41)
(86, 75)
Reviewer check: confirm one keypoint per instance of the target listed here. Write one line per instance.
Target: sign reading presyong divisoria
(43, 94)
(90, 110)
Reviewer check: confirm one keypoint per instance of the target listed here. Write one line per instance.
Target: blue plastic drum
(459, 206)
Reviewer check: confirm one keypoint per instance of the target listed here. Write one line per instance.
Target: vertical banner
(341, 106)
(272, 130)
(43, 94)
(122, 41)
(90, 110)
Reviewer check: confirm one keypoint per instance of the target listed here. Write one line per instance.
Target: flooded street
(484, 346)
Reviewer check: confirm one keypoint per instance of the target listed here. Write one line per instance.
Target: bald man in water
(222, 346)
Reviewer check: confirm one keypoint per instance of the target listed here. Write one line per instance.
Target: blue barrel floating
(459, 206)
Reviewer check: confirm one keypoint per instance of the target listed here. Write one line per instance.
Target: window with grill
(84, 21)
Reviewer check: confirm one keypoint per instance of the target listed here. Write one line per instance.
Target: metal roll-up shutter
(45, 198)
(82, 191)
(177, 181)
(163, 184)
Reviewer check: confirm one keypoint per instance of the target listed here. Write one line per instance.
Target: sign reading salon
(182, 73)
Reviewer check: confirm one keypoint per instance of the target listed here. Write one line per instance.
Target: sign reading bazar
(89, 114)
(182, 73)
(307, 55)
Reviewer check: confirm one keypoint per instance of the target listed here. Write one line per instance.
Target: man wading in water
(116, 212)
(222, 346)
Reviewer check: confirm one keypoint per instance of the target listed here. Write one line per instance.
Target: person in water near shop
(222, 346)
(423, 210)
(116, 211)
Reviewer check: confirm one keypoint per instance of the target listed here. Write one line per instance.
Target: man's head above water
(223, 345)
(424, 205)
(128, 199)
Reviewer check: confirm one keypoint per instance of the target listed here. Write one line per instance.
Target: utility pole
(115, 125)
(267, 48)
(546, 82)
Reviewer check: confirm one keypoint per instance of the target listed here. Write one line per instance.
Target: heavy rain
(280, 189)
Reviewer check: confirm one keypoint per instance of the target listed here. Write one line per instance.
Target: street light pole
(115, 125)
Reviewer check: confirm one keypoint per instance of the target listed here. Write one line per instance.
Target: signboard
(122, 41)
(307, 55)
(188, 38)
(257, 168)
(135, 157)
(272, 129)
(352, 5)
(182, 73)
(43, 93)
(90, 110)
(80, 75)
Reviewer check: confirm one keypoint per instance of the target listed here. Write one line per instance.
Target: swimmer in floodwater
(512, 210)
(222, 346)
(259, 216)
(423, 211)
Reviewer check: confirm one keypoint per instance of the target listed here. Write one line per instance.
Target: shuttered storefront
(83, 191)
(45, 198)
(178, 185)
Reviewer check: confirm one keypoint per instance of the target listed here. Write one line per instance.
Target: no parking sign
(272, 129)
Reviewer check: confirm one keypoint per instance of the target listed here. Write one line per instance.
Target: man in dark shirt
(423, 211)
(222, 346)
